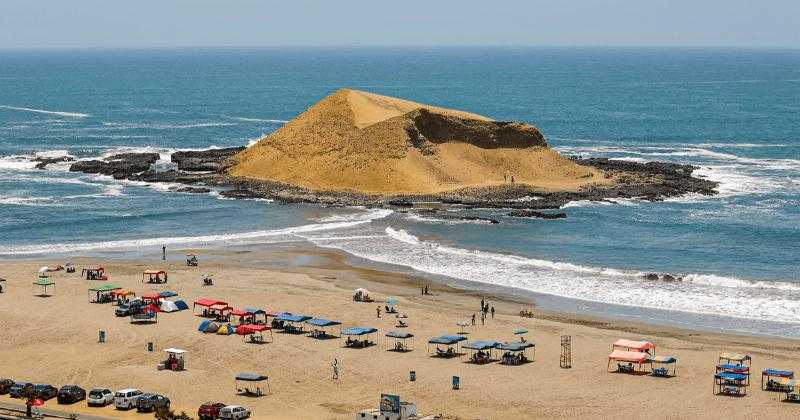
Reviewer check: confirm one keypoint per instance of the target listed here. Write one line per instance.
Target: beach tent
(203, 325)
(246, 380)
(256, 312)
(514, 353)
(321, 326)
(776, 380)
(624, 356)
(452, 343)
(254, 332)
(728, 383)
(735, 368)
(734, 358)
(104, 289)
(169, 306)
(482, 350)
(43, 284)
(361, 335)
(636, 346)
(154, 276)
(399, 338)
(167, 293)
(226, 330)
(295, 322)
(666, 363)
(176, 359)
(94, 272)
(212, 327)
(181, 305)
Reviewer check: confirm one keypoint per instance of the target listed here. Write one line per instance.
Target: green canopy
(44, 282)
(105, 288)
(392, 301)
(520, 331)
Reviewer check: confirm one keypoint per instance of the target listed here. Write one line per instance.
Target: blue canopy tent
(181, 305)
(727, 383)
(481, 350)
(399, 339)
(245, 380)
(256, 312)
(777, 380)
(452, 343)
(321, 326)
(666, 362)
(295, 322)
(167, 293)
(514, 353)
(361, 335)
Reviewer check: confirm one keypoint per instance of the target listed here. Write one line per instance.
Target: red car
(209, 410)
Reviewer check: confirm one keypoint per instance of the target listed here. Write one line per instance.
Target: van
(125, 399)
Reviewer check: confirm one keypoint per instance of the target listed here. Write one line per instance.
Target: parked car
(151, 402)
(15, 391)
(130, 308)
(5, 385)
(100, 397)
(125, 399)
(209, 410)
(69, 394)
(234, 412)
(45, 391)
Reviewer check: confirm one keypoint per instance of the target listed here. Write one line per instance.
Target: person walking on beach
(483, 318)
(492, 312)
(473, 319)
(164, 252)
(378, 311)
(482, 302)
(335, 367)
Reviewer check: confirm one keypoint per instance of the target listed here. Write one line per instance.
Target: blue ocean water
(734, 113)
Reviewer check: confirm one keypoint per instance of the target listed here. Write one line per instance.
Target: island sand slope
(359, 141)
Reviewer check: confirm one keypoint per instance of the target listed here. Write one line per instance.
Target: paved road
(49, 412)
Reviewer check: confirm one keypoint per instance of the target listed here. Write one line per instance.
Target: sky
(262, 23)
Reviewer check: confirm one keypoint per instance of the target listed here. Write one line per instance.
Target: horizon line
(400, 46)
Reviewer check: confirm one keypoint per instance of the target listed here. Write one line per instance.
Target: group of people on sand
(481, 357)
(485, 311)
(510, 359)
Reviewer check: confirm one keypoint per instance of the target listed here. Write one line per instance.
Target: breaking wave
(44, 111)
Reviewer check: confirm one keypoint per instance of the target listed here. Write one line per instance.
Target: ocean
(732, 112)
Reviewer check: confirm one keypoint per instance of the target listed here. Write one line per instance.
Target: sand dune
(359, 141)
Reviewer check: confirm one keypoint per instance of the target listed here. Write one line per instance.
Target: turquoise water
(734, 113)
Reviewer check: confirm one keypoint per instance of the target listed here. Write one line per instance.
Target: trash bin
(101, 337)
(412, 376)
(150, 346)
(456, 382)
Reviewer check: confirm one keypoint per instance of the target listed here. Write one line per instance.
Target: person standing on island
(492, 312)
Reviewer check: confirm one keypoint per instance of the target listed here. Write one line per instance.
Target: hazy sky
(164, 23)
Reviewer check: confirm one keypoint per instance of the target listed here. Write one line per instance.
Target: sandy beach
(54, 340)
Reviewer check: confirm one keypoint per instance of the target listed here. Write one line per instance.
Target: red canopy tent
(152, 298)
(254, 331)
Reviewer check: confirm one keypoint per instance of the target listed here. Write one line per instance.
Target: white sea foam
(44, 111)
(145, 126)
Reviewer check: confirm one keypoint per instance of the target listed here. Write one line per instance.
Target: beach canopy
(392, 301)
(447, 339)
(730, 367)
(152, 296)
(666, 360)
(181, 305)
(239, 312)
(520, 331)
(208, 302)
(731, 376)
(248, 329)
(251, 377)
(734, 357)
(175, 351)
(399, 334)
(167, 293)
(634, 345)
(515, 346)
(254, 311)
(321, 322)
(628, 356)
(44, 282)
(358, 331)
(154, 272)
(285, 316)
(107, 287)
(480, 345)
(778, 373)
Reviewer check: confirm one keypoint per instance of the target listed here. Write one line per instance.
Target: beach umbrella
(44, 269)
(520, 331)
(392, 301)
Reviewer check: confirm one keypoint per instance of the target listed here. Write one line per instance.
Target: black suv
(69, 394)
(45, 391)
(128, 309)
(151, 402)
(15, 391)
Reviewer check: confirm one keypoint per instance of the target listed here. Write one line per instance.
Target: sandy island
(54, 340)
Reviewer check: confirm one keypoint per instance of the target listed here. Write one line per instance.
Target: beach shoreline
(304, 279)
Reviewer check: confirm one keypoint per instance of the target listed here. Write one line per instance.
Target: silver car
(100, 397)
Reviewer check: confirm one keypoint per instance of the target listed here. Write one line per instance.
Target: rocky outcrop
(537, 214)
(204, 160)
(44, 161)
(435, 127)
(119, 166)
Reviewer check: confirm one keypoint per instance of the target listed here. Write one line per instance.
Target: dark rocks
(433, 128)
(43, 161)
(204, 160)
(400, 202)
(651, 276)
(119, 166)
(194, 190)
(175, 177)
(662, 277)
(538, 214)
